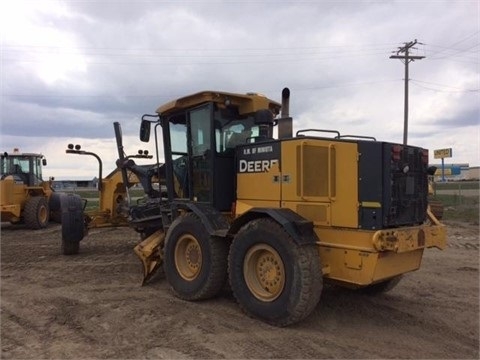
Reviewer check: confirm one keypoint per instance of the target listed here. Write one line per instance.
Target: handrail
(319, 130)
(338, 134)
(357, 137)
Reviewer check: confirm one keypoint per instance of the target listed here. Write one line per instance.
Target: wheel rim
(42, 214)
(188, 257)
(264, 272)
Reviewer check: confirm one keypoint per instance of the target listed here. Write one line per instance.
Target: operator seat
(18, 174)
(238, 139)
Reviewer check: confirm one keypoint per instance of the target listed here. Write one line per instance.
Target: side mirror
(44, 162)
(145, 130)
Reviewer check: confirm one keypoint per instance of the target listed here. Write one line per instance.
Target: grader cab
(277, 217)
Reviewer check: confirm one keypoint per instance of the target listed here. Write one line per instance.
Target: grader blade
(149, 252)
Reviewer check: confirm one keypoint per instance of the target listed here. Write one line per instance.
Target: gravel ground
(92, 306)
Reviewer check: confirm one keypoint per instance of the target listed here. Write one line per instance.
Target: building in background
(457, 172)
(68, 184)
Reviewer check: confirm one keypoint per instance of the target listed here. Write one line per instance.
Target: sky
(70, 69)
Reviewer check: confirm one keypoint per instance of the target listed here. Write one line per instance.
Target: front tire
(73, 223)
(36, 213)
(195, 263)
(272, 277)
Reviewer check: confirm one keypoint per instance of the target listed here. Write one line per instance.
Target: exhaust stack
(285, 129)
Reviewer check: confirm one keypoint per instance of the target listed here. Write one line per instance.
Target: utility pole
(406, 58)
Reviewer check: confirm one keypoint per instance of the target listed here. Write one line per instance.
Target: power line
(444, 48)
(149, 49)
(22, 53)
(456, 53)
(455, 43)
(348, 84)
(258, 59)
(454, 89)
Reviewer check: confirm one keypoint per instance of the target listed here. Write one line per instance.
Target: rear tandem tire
(73, 223)
(273, 278)
(195, 263)
(36, 213)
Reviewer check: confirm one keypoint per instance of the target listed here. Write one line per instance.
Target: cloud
(72, 68)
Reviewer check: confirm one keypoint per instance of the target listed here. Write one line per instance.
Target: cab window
(200, 130)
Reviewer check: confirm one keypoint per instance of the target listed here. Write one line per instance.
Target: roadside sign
(442, 153)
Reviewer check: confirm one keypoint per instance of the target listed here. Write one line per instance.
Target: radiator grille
(313, 174)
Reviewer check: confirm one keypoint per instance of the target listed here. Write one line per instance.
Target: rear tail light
(397, 152)
(425, 156)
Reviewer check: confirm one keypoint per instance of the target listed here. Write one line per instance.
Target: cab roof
(19, 154)
(245, 103)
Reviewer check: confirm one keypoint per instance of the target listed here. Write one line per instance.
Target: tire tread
(72, 223)
(31, 212)
(217, 276)
(309, 284)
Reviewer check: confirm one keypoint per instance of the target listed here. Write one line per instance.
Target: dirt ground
(92, 306)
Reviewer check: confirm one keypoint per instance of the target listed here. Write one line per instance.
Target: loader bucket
(149, 252)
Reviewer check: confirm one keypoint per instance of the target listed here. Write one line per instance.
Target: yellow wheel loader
(276, 217)
(24, 196)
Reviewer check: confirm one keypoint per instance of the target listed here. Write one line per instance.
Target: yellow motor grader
(24, 196)
(276, 217)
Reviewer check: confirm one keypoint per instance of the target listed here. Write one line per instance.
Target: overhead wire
(451, 46)
(216, 56)
(201, 56)
(337, 85)
(448, 88)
